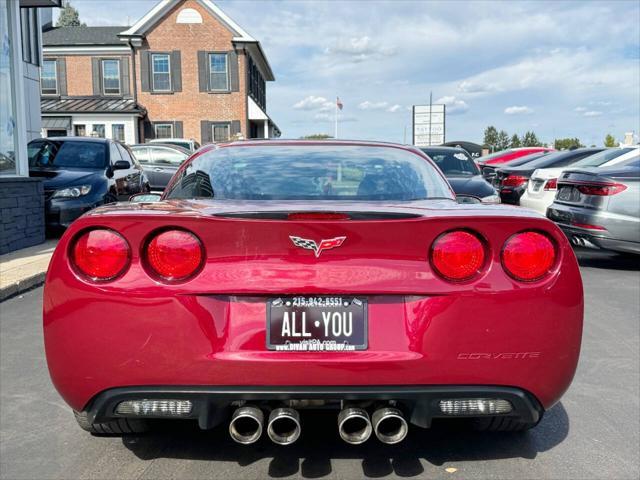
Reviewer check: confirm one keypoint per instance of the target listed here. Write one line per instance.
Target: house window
(111, 77)
(161, 77)
(30, 36)
(98, 130)
(48, 78)
(117, 132)
(218, 72)
(80, 130)
(221, 132)
(163, 130)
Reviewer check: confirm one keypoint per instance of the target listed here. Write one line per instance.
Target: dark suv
(81, 173)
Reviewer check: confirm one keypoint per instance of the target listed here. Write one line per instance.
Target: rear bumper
(421, 404)
(539, 204)
(63, 212)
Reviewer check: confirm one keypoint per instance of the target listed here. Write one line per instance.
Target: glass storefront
(7, 94)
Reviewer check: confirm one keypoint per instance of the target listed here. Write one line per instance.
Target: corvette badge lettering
(326, 244)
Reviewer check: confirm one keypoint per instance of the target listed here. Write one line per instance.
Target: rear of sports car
(276, 278)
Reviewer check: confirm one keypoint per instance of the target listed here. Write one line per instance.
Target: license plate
(568, 194)
(317, 324)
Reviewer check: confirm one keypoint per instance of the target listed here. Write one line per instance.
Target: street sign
(428, 125)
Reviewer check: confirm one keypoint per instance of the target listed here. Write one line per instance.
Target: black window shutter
(203, 71)
(125, 87)
(149, 132)
(176, 72)
(177, 129)
(96, 76)
(145, 71)
(205, 132)
(234, 78)
(61, 73)
(235, 127)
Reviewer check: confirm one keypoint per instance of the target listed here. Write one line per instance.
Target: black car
(160, 161)
(512, 181)
(463, 174)
(81, 173)
(489, 171)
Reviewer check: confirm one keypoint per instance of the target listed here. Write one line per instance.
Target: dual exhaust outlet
(283, 425)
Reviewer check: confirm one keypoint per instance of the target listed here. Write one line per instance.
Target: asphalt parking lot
(592, 433)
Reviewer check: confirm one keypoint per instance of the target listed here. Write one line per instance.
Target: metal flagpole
(430, 110)
(336, 119)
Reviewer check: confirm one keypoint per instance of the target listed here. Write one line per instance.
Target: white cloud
(580, 109)
(329, 117)
(367, 105)
(518, 110)
(359, 49)
(314, 103)
(467, 86)
(394, 108)
(454, 105)
(592, 113)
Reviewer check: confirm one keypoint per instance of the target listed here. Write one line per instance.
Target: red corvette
(278, 276)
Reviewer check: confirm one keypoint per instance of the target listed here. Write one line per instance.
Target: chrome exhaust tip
(284, 426)
(389, 425)
(354, 425)
(246, 424)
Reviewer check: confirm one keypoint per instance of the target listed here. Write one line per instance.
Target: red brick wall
(190, 105)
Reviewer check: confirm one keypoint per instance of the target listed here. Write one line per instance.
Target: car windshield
(453, 162)
(601, 158)
(310, 172)
(186, 145)
(62, 154)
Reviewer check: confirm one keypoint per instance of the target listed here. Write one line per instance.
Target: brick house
(184, 70)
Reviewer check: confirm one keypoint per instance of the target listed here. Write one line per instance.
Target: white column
(266, 129)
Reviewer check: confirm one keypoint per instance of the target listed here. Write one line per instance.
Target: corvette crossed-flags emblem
(317, 248)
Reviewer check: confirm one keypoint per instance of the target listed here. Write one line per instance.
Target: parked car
(463, 175)
(600, 207)
(81, 173)
(505, 156)
(188, 143)
(511, 182)
(273, 275)
(159, 161)
(489, 171)
(542, 188)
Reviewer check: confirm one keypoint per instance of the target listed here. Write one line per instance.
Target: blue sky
(561, 69)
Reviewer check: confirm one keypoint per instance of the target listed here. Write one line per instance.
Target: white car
(542, 186)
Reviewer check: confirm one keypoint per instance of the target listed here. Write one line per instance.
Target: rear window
(602, 157)
(310, 172)
(61, 154)
(453, 162)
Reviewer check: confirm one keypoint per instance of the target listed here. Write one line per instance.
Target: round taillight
(175, 255)
(101, 254)
(528, 256)
(458, 255)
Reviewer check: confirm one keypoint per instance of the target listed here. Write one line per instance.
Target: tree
(515, 141)
(610, 141)
(491, 137)
(69, 17)
(316, 136)
(503, 141)
(567, 143)
(530, 140)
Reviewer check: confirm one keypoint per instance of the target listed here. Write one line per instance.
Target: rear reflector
(457, 255)
(551, 184)
(156, 408)
(528, 256)
(175, 255)
(588, 226)
(317, 216)
(100, 254)
(602, 190)
(514, 181)
(475, 406)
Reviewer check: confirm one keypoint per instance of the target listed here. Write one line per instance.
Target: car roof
(160, 140)
(172, 146)
(302, 142)
(75, 139)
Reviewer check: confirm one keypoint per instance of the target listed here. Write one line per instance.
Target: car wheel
(502, 424)
(121, 426)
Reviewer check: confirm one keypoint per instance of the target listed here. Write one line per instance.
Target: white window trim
(226, 62)
(220, 124)
(55, 75)
(104, 90)
(156, 125)
(153, 76)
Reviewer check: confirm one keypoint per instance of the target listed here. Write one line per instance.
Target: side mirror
(121, 165)
(145, 198)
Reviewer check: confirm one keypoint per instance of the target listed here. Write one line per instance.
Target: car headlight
(491, 199)
(72, 192)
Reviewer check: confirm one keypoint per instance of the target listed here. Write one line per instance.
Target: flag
(339, 103)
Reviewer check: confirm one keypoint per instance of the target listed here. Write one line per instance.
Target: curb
(22, 286)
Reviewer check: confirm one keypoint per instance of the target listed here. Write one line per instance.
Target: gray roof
(71, 36)
(90, 105)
